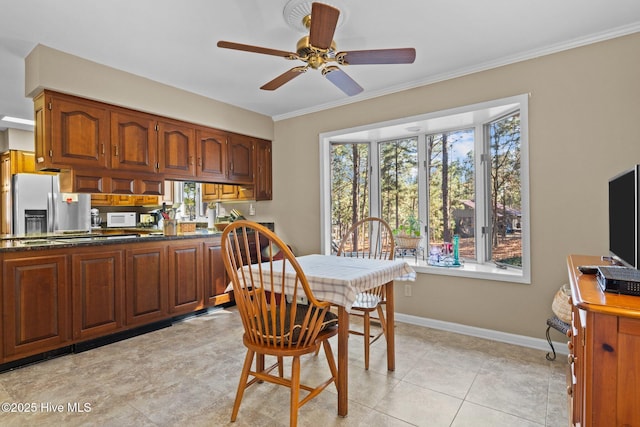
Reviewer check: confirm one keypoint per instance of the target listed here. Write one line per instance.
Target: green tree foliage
(399, 180)
(349, 186)
(505, 173)
(450, 178)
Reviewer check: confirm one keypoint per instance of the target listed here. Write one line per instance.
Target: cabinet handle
(570, 390)
(102, 148)
(190, 160)
(570, 345)
(200, 161)
(116, 150)
(231, 166)
(571, 359)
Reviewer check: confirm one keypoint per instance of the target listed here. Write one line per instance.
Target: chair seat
(293, 333)
(365, 301)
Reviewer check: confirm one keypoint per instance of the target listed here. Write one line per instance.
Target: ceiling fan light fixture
(296, 12)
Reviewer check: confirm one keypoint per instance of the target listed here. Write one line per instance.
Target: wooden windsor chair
(369, 238)
(272, 325)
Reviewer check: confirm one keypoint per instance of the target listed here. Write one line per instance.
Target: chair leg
(295, 391)
(244, 376)
(367, 338)
(383, 321)
(281, 366)
(331, 361)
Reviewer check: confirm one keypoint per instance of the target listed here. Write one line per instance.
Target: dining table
(338, 280)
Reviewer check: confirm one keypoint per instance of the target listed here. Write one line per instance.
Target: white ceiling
(174, 42)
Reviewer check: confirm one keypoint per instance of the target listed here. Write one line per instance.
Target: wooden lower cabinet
(215, 276)
(604, 385)
(146, 285)
(53, 298)
(35, 304)
(98, 293)
(185, 277)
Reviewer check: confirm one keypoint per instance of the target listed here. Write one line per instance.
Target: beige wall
(583, 128)
(52, 69)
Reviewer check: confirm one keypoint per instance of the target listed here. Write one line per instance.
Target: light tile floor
(187, 375)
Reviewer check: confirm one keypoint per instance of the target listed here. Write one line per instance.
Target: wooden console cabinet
(604, 352)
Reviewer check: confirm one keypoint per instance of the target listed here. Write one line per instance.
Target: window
(460, 172)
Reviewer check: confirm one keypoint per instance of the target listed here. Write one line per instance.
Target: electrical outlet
(302, 300)
(407, 290)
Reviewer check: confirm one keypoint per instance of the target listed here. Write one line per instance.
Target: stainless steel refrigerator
(40, 207)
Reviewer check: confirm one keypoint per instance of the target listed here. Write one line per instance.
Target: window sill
(471, 270)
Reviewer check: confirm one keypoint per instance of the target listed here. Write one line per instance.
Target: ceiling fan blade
(284, 78)
(379, 56)
(256, 49)
(324, 19)
(341, 79)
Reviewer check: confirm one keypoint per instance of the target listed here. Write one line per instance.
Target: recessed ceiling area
(175, 43)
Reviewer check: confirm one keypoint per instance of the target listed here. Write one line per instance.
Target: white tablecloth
(338, 280)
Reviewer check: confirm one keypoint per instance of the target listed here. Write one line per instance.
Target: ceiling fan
(318, 51)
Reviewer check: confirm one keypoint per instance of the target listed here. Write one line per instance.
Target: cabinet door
(212, 154)
(121, 200)
(628, 413)
(100, 200)
(177, 150)
(263, 186)
(150, 187)
(5, 194)
(145, 201)
(146, 285)
(167, 196)
(185, 278)
(227, 192)
(98, 293)
(22, 161)
(79, 133)
(81, 181)
(210, 192)
(215, 276)
(36, 315)
(241, 159)
(133, 142)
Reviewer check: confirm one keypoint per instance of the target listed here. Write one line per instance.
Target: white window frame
(469, 269)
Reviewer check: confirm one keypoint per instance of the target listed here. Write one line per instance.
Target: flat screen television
(623, 217)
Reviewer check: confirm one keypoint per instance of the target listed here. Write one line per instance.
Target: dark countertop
(16, 243)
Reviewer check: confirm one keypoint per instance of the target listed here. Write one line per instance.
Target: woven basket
(407, 242)
(561, 306)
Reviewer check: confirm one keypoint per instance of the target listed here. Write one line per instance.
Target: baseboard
(521, 340)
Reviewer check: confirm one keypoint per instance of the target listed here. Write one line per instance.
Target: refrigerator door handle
(52, 199)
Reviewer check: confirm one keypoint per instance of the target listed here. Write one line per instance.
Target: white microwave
(121, 219)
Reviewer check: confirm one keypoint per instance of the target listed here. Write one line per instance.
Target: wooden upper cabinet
(177, 147)
(133, 142)
(263, 183)
(241, 159)
(120, 146)
(70, 132)
(212, 154)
